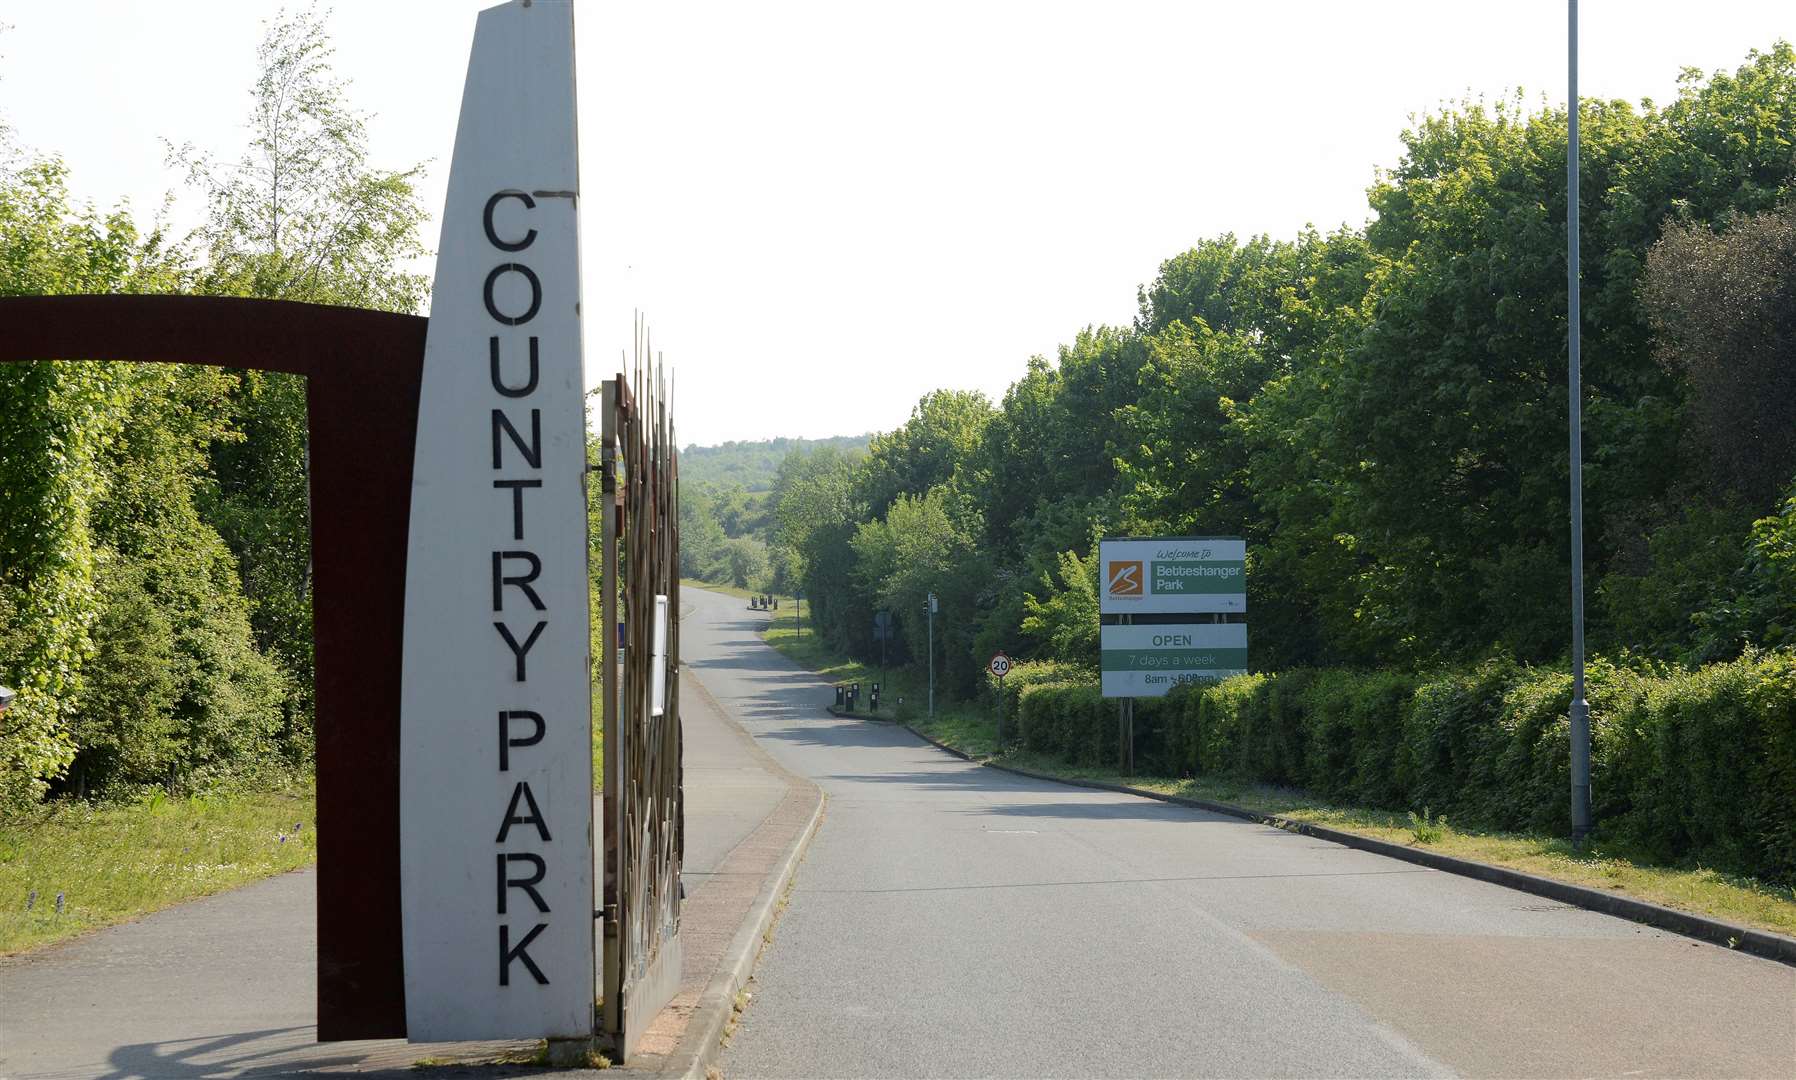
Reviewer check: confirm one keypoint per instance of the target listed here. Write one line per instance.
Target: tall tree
(301, 214)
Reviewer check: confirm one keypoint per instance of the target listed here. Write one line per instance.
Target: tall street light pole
(1580, 709)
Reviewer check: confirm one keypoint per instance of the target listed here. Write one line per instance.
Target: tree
(927, 544)
(1066, 622)
(814, 502)
(126, 629)
(701, 535)
(302, 214)
(942, 433)
(745, 564)
(1722, 305)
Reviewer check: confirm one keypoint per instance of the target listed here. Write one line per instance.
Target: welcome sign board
(1172, 576)
(496, 852)
(1148, 661)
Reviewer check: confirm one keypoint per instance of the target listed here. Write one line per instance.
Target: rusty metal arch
(363, 370)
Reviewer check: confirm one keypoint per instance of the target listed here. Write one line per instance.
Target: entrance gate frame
(363, 371)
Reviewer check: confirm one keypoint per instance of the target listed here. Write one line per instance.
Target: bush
(1070, 720)
(175, 693)
(1035, 673)
(1693, 766)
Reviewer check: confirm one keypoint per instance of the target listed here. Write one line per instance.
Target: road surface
(227, 986)
(952, 920)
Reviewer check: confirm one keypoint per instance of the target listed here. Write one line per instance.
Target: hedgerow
(1686, 765)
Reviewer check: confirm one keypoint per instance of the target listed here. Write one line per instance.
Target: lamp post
(1580, 709)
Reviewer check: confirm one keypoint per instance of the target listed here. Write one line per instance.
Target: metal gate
(644, 803)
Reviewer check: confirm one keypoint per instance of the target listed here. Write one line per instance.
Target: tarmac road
(952, 920)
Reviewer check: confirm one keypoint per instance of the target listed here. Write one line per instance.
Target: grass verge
(972, 729)
(113, 863)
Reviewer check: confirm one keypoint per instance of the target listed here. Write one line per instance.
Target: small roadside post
(882, 632)
(999, 666)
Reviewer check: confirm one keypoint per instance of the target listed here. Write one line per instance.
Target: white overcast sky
(827, 210)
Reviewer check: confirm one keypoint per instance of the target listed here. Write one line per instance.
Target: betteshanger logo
(1125, 578)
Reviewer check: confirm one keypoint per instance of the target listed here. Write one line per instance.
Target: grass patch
(972, 729)
(114, 863)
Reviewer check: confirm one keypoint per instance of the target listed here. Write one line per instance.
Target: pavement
(226, 986)
(953, 920)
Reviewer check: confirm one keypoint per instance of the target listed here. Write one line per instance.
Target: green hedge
(1685, 765)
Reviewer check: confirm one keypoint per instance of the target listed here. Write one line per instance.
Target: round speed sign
(1000, 665)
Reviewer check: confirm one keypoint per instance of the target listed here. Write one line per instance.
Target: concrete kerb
(702, 1040)
(1715, 931)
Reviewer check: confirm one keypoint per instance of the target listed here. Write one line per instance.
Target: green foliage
(61, 417)
(1687, 766)
(1723, 310)
(1659, 598)
(927, 544)
(1069, 720)
(302, 215)
(745, 560)
(1426, 828)
(1066, 623)
(155, 608)
(942, 433)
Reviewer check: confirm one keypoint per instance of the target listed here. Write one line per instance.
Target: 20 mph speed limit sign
(1000, 665)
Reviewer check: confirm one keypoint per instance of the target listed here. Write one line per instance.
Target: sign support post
(999, 666)
(931, 611)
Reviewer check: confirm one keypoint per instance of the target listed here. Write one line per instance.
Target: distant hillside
(752, 465)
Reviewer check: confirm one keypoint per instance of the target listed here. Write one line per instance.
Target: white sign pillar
(496, 727)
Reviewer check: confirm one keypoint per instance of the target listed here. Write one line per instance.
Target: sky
(827, 210)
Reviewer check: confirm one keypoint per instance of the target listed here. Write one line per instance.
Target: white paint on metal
(658, 660)
(496, 729)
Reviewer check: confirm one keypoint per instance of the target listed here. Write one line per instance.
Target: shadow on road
(210, 1056)
(1129, 810)
(840, 734)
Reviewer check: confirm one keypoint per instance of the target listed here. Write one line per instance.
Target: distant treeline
(1381, 412)
(726, 524)
(752, 465)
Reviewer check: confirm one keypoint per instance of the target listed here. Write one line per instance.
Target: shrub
(1685, 765)
(1069, 720)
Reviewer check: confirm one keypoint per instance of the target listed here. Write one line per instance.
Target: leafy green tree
(1185, 470)
(60, 418)
(1437, 427)
(701, 534)
(943, 432)
(302, 214)
(745, 562)
(817, 510)
(1722, 305)
(928, 544)
(128, 631)
(1066, 621)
